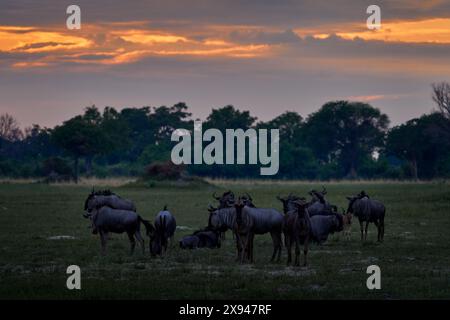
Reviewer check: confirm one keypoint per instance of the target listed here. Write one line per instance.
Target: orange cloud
(105, 44)
(31, 40)
(420, 31)
(424, 31)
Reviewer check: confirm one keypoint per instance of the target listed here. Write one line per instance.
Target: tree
(229, 118)
(344, 132)
(289, 123)
(82, 136)
(421, 143)
(9, 128)
(441, 96)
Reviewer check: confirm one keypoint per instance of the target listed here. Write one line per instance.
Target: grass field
(414, 259)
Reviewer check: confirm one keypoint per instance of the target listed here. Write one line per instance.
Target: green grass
(414, 259)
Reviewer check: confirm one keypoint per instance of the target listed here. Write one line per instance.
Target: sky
(259, 55)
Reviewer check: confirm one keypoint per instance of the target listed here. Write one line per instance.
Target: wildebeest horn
(280, 198)
(249, 198)
(215, 197)
(324, 191)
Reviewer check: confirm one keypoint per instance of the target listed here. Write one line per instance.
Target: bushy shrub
(164, 171)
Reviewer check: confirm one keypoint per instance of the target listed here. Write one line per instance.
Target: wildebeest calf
(201, 239)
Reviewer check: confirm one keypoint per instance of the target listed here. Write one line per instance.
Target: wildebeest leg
(132, 242)
(289, 250)
(297, 253)
(367, 227)
(280, 246)
(243, 247)
(103, 237)
(276, 241)
(382, 229)
(250, 246)
(139, 238)
(377, 224)
(238, 247)
(362, 231)
(275, 246)
(305, 251)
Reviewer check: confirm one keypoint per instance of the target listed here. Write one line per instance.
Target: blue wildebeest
(318, 204)
(165, 226)
(225, 201)
(107, 198)
(250, 221)
(106, 219)
(326, 222)
(98, 199)
(368, 210)
(324, 225)
(205, 238)
(297, 228)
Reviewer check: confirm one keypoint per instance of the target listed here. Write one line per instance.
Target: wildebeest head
(352, 199)
(351, 202)
(247, 200)
(215, 221)
(226, 200)
(301, 204)
(363, 194)
(89, 198)
(318, 196)
(90, 203)
(287, 202)
(156, 236)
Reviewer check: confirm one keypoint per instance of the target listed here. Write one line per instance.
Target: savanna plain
(42, 232)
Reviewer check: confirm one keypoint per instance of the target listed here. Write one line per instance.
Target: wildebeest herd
(301, 222)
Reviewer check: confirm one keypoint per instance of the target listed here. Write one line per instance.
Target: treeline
(342, 139)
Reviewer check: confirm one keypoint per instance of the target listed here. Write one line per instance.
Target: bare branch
(441, 96)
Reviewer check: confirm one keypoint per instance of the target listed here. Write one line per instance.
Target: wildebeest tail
(148, 226)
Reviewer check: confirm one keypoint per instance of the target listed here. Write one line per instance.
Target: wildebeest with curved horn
(165, 226)
(323, 223)
(368, 210)
(250, 221)
(107, 198)
(98, 199)
(106, 219)
(319, 205)
(226, 200)
(247, 200)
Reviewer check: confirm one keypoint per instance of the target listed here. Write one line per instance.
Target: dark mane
(105, 192)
